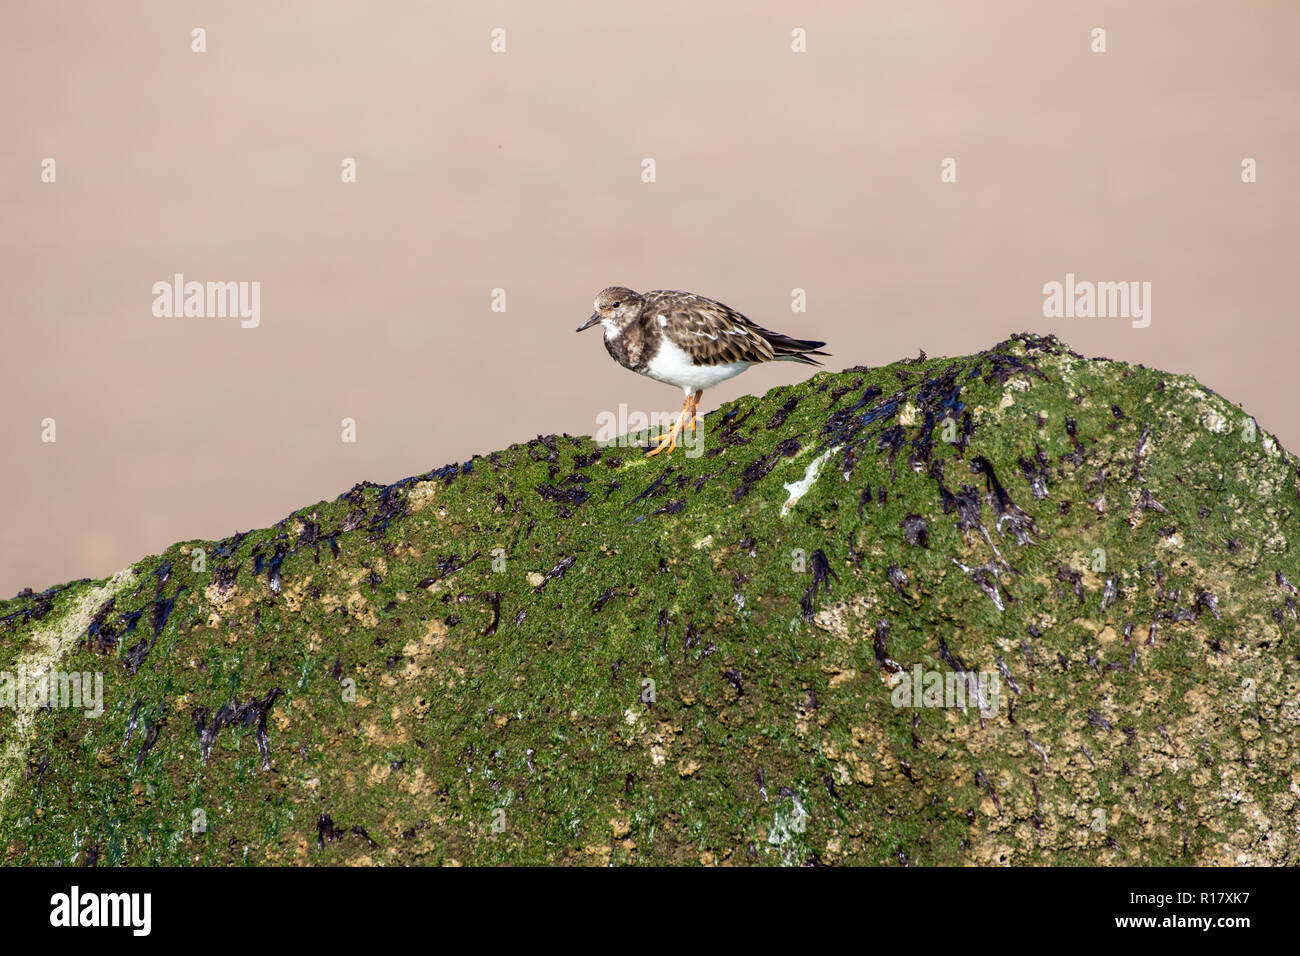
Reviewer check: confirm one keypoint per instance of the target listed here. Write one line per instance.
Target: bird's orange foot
(667, 442)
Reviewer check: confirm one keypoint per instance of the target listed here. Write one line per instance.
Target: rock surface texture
(567, 653)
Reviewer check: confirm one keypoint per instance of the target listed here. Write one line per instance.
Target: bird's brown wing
(709, 332)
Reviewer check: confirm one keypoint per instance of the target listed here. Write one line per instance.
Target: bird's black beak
(595, 317)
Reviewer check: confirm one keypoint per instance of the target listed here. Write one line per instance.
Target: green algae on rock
(569, 653)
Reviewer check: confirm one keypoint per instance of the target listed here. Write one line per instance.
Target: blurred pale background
(522, 170)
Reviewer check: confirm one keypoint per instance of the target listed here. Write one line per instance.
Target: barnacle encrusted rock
(1012, 607)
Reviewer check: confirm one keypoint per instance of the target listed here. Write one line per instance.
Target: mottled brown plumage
(712, 333)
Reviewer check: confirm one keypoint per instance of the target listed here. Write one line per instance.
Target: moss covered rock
(1013, 607)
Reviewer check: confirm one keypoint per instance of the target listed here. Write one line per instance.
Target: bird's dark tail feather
(796, 350)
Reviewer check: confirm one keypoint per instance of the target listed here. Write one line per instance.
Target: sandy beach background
(522, 171)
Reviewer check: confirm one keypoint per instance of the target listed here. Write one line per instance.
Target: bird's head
(616, 307)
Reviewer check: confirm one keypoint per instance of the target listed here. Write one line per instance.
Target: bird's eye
(615, 305)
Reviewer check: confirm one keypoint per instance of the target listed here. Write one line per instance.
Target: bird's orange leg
(669, 442)
(695, 408)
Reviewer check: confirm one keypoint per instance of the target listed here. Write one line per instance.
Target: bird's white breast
(673, 366)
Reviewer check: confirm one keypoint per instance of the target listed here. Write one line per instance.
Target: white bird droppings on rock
(798, 489)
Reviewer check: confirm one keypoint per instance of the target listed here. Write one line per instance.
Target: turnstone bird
(689, 341)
